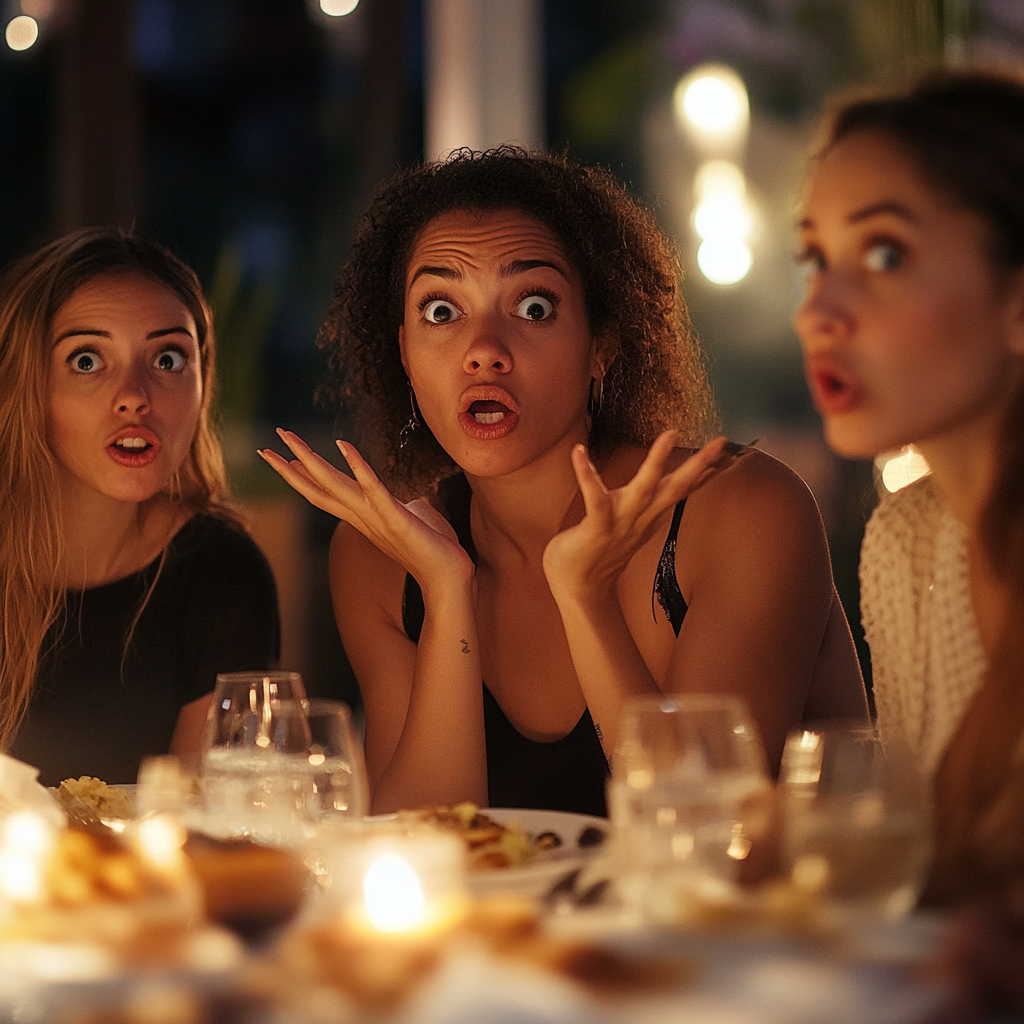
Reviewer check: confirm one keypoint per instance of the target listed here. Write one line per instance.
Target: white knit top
(926, 656)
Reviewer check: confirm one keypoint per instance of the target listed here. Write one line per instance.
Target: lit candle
(400, 885)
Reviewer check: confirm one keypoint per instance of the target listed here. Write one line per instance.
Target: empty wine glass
(688, 795)
(857, 827)
(242, 705)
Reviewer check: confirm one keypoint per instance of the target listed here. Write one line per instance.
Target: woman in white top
(913, 333)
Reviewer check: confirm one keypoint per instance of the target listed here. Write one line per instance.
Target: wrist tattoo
(465, 646)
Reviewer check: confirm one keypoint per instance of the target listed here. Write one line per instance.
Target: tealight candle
(394, 884)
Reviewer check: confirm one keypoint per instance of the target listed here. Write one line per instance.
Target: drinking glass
(687, 797)
(857, 823)
(242, 707)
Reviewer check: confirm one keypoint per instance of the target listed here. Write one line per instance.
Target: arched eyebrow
(522, 266)
(86, 332)
(448, 273)
(890, 206)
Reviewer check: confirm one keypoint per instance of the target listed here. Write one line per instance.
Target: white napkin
(19, 791)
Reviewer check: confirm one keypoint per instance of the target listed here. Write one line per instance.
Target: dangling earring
(594, 405)
(415, 422)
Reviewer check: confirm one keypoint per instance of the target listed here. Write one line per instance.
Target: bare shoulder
(364, 581)
(755, 488)
(758, 518)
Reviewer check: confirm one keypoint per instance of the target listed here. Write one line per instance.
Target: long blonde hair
(33, 560)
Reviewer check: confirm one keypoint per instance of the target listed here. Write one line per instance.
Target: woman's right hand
(416, 535)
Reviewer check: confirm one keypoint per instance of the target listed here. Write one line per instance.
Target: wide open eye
(85, 361)
(535, 307)
(440, 311)
(883, 256)
(171, 359)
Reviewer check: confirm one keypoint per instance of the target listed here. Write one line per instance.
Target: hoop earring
(414, 423)
(594, 405)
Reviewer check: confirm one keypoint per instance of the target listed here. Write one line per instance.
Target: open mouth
(132, 444)
(487, 412)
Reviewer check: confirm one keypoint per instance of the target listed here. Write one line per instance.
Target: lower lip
(132, 458)
(830, 400)
(487, 431)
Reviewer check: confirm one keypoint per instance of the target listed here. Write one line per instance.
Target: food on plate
(489, 844)
(106, 802)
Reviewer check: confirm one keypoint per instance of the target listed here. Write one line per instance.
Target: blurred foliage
(602, 99)
(242, 320)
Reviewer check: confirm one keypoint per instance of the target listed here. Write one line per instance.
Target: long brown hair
(965, 133)
(32, 558)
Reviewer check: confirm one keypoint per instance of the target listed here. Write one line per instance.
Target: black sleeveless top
(567, 774)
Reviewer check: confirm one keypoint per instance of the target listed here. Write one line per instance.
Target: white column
(484, 74)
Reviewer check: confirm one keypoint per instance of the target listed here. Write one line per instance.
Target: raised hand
(416, 535)
(585, 561)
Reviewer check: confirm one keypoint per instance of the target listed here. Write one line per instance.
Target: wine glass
(242, 705)
(857, 823)
(687, 797)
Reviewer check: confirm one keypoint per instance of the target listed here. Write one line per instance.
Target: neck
(521, 512)
(963, 465)
(106, 540)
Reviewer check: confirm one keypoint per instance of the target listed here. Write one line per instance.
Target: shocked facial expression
(909, 330)
(124, 388)
(496, 340)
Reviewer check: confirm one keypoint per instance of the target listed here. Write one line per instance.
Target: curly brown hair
(630, 273)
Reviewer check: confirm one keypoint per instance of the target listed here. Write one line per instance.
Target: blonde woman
(125, 585)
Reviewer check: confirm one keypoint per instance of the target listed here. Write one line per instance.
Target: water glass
(688, 795)
(242, 707)
(856, 820)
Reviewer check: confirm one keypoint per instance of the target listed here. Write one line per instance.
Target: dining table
(553, 939)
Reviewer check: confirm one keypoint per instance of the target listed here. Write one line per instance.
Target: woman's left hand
(586, 560)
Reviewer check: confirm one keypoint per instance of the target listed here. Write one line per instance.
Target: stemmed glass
(276, 766)
(856, 820)
(687, 797)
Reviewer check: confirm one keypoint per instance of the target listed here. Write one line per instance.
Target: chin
(853, 444)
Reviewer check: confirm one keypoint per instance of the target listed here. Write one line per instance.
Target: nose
(825, 313)
(488, 349)
(132, 395)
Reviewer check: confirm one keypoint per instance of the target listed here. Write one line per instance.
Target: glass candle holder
(398, 884)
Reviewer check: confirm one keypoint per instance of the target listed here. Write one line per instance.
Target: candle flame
(393, 894)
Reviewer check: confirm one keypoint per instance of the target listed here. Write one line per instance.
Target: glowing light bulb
(22, 32)
(338, 8)
(711, 101)
(393, 894)
(724, 260)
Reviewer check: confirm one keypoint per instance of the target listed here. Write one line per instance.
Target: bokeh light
(338, 8)
(902, 468)
(711, 102)
(724, 259)
(22, 32)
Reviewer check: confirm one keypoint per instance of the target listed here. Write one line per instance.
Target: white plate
(536, 877)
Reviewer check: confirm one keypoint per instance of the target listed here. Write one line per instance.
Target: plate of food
(518, 849)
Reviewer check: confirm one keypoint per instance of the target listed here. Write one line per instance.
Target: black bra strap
(666, 586)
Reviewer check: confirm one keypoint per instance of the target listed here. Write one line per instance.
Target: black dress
(567, 774)
(98, 711)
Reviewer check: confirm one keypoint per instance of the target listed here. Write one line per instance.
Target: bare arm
(423, 702)
(753, 565)
(584, 563)
(188, 733)
(763, 621)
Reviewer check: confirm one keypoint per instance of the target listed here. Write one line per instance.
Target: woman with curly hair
(510, 336)
(125, 583)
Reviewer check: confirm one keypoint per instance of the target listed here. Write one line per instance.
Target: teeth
(488, 417)
(131, 442)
